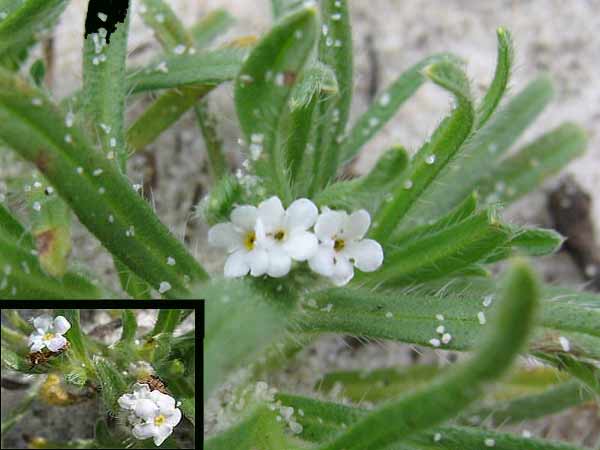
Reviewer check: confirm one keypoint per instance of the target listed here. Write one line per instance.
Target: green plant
(78, 367)
(423, 263)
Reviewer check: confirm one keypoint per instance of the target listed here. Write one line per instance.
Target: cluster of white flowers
(49, 333)
(264, 240)
(151, 414)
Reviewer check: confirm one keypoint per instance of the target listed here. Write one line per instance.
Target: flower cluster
(151, 414)
(264, 240)
(49, 333)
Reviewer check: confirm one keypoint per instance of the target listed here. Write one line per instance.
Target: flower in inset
(242, 238)
(152, 414)
(286, 232)
(49, 333)
(342, 247)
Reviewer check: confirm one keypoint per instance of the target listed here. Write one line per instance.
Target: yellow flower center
(249, 240)
(48, 336)
(339, 245)
(159, 420)
(279, 235)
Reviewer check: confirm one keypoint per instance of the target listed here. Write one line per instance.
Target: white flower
(264, 240)
(48, 333)
(341, 246)
(242, 238)
(152, 414)
(286, 232)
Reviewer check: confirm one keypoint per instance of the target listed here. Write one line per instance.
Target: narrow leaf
(101, 197)
(29, 18)
(530, 166)
(159, 16)
(385, 106)
(262, 90)
(129, 326)
(481, 151)
(433, 156)
(447, 395)
(112, 383)
(210, 26)
(207, 68)
(500, 82)
(166, 322)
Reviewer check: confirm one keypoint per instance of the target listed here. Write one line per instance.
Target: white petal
(127, 401)
(301, 245)
(356, 225)
(302, 213)
(271, 213)
(322, 261)
(166, 403)
(329, 224)
(367, 254)
(224, 235)
(174, 418)
(43, 322)
(342, 272)
(244, 217)
(144, 431)
(279, 263)
(145, 408)
(56, 343)
(258, 260)
(61, 325)
(36, 344)
(161, 433)
(236, 265)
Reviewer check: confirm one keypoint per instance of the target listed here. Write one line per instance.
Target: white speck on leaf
(481, 318)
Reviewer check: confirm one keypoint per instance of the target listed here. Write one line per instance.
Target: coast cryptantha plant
(146, 383)
(402, 253)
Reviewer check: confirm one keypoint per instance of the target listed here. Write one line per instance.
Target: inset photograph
(98, 378)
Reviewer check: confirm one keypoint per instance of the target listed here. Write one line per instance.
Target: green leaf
(385, 106)
(11, 360)
(50, 222)
(166, 322)
(103, 437)
(112, 383)
(315, 86)
(468, 438)
(210, 26)
(207, 68)
(214, 145)
(460, 213)
(129, 326)
(584, 371)
(439, 254)
(335, 50)
(500, 82)
(531, 242)
(529, 407)
(230, 343)
(102, 198)
(75, 334)
(15, 319)
(322, 420)
(104, 90)
(217, 206)
(188, 406)
(530, 166)
(262, 90)
(434, 155)
(481, 151)
(11, 228)
(13, 339)
(24, 279)
(30, 17)
(446, 395)
(37, 71)
(260, 430)
(159, 16)
(381, 384)
(162, 114)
